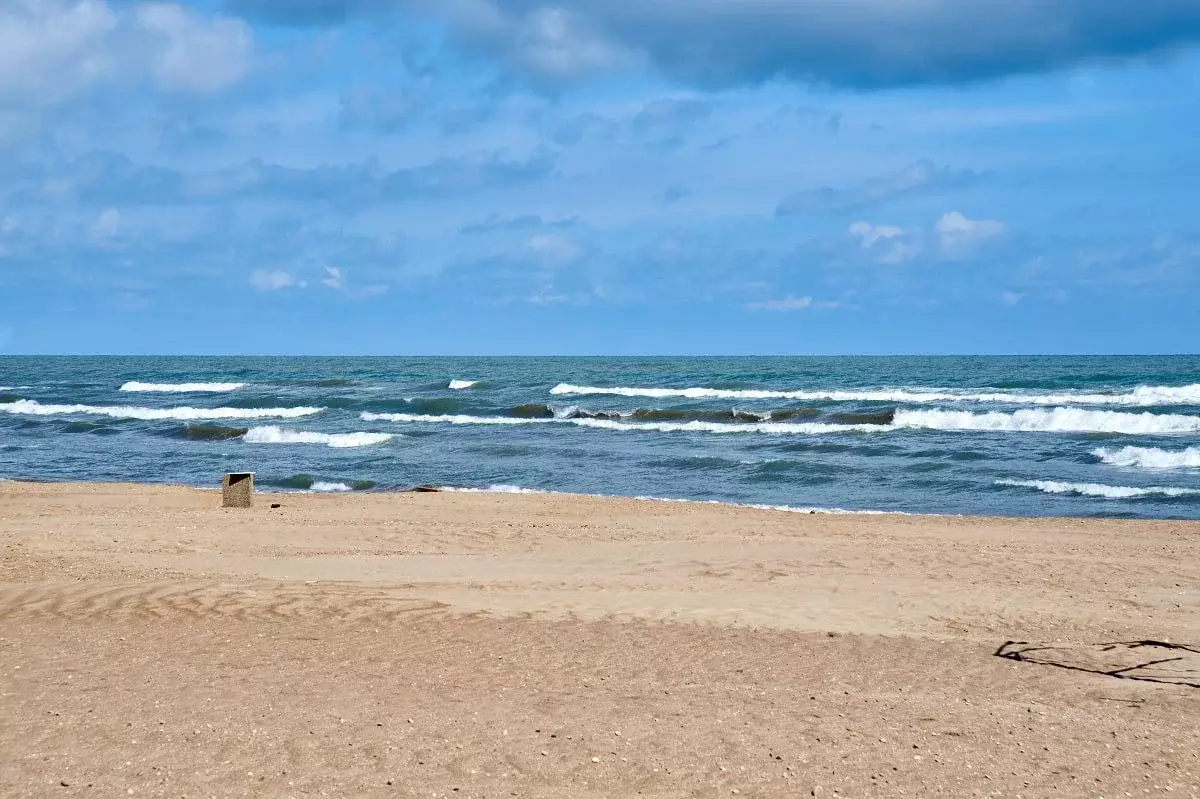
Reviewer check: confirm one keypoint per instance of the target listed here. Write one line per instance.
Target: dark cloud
(923, 175)
(864, 44)
(517, 223)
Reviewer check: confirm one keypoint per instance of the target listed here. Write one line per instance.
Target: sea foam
(182, 388)
(279, 435)
(1098, 490)
(767, 428)
(1150, 457)
(460, 385)
(1057, 420)
(330, 487)
(501, 488)
(34, 408)
(1141, 396)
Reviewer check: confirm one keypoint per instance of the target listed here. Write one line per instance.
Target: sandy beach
(540, 645)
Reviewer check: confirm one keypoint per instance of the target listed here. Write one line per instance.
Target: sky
(599, 176)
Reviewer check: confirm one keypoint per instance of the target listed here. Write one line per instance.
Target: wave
(34, 408)
(322, 486)
(278, 435)
(1141, 396)
(462, 385)
(1057, 420)
(1098, 490)
(306, 482)
(210, 432)
(182, 388)
(367, 416)
(769, 428)
(1150, 457)
(502, 488)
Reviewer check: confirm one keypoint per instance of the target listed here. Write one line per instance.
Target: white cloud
(51, 49)
(274, 280)
(554, 248)
(335, 279)
(107, 224)
(958, 235)
(192, 53)
(895, 244)
(790, 303)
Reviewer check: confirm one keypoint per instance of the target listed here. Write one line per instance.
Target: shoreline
(475, 644)
(505, 489)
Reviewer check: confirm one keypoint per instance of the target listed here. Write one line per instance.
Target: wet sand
(537, 645)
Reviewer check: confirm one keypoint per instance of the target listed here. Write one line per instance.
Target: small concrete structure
(237, 490)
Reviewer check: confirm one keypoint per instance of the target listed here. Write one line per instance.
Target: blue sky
(599, 177)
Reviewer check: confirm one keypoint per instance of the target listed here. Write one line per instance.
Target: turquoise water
(1097, 436)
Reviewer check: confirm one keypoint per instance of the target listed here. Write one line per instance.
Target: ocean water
(1064, 436)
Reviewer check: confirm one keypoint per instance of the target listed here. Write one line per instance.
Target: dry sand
(497, 645)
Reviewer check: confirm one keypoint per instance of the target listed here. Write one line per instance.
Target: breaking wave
(1098, 490)
(462, 385)
(182, 388)
(1057, 420)
(35, 408)
(367, 416)
(329, 487)
(769, 428)
(278, 435)
(1150, 457)
(1140, 396)
(502, 488)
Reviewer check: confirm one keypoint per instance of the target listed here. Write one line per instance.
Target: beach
(482, 644)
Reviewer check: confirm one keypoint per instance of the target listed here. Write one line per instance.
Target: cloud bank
(856, 43)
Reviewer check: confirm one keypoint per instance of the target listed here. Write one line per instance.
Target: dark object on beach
(237, 490)
(275, 505)
(426, 490)
(1147, 661)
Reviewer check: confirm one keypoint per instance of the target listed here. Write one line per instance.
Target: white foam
(34, 408)
(502, 488)
(460, 385)
(1143, 395)
(367, 416)
(279, 435)
(1098, 490)
(182, 388)
(499, 488)
(1150, 457)
(765, 428)
(1057, 420)
(768, 428)
(330, 487)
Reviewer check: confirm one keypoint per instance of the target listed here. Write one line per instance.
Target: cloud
(1011, 298)
(958, 235)
(333, 278)
(524, 222)
(864, 44)
(554, 249)
(274, 280)
(790, 303)
(887, 243)
(191, 53)
(922, 175)
(107, 178)
(51, 49)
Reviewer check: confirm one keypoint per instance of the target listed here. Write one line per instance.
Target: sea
(1010, 436)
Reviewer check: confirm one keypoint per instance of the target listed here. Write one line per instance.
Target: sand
(462, 645)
